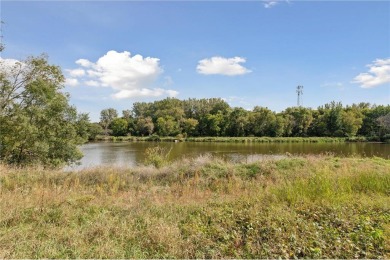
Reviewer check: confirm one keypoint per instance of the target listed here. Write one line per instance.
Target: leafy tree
(37, 124)
(370, 125)
(167, 126)
(83, 126)
(172, 107)
(106, 117)
(352, 120)
(384, 126)
(298, 120)
(262, 122)
(144, 126)
(214, 124)
(94, 129)
(142, 109)
(238, 122)
(188, 126)
(119, 127)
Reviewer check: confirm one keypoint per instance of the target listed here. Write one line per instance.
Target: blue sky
(249, 53)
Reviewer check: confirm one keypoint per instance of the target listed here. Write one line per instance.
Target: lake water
(132, 153)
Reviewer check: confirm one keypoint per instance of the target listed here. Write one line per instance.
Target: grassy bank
(315, 207)
(229, 139)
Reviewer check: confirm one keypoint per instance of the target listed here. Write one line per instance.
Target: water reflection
(132, 153)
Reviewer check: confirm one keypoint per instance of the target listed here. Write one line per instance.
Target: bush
(156, 156)
(153, 138)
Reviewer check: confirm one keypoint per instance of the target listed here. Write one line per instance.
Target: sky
(250, 53)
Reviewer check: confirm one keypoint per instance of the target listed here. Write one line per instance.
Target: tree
(167, 126)
(238, 121)
(106, 117)
(119, 127)
(298, 120)
(188, 126)
(144, 126)
(37, 124)
(384, 127)
(94, 129)
(352, 120)
(262, 122)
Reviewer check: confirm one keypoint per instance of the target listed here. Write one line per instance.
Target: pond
(132, 153)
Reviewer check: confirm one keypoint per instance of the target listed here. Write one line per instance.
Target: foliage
(37, 124)
(156, 156)
(167, 126)
(144, 126)
(94, 129)
(106, 117)
(119, 127)
(214, 117)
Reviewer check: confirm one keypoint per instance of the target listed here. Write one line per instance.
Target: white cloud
(272, 3)
(76, 72)
(269, 4)
(10, 65)
(222, 66)
(71, 82)
(378, 74)
(144, 92)
(84, 63)
(130, 76)
(92, 83)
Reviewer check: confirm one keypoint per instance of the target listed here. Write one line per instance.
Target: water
(132, 153)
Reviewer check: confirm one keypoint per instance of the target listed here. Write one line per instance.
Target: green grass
(304, 207)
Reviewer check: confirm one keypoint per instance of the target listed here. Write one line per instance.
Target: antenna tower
(300, 93)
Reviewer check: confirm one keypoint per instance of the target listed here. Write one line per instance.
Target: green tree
(384, 127)
(128, 116)
(238, 122)
(37, 124)
(262, 122)
(106, 117)
(167, 126)
(352, 120)
(298, 120)
(188, 126)
(370, 126)
(144, 126)
(119, 127)
(214, 124)
(94, 129)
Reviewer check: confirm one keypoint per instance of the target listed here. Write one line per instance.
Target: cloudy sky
(249, 53)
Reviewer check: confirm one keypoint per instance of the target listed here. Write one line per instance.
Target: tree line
(39, 126)
(215, 117)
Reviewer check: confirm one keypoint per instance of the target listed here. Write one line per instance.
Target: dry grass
(316, 207)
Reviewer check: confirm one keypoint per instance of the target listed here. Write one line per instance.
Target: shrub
(156, 156)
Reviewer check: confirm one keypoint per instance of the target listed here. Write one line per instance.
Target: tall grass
(312, 207)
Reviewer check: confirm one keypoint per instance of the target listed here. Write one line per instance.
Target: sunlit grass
(314, 207)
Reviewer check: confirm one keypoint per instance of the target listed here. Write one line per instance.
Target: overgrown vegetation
(214, 117)
(305, 207)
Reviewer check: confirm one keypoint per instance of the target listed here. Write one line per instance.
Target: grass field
(312, 207)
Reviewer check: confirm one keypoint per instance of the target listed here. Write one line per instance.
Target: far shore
(156, 138)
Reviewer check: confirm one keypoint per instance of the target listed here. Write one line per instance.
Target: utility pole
(300, 93)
